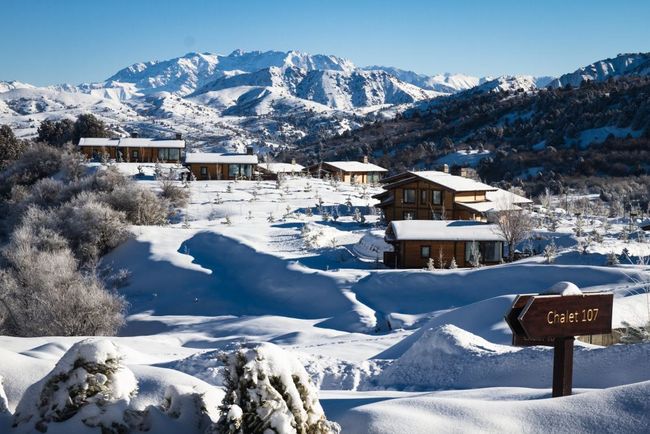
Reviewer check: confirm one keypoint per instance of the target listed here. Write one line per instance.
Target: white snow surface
(390, 350)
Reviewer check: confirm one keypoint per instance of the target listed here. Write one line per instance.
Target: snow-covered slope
(445, 83)
(621, 65)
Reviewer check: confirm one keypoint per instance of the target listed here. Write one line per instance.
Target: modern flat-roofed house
(216, 166)
(273, 170)
(436, 195)
(133, 149)
(468, 242)
(353, 172)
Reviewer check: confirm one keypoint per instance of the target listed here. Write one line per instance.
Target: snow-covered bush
(142, 206)
(176, 195)
(268, 390)
(89, 385)
(612, 259)
(37, 162)
(43, 293)
(550, 251)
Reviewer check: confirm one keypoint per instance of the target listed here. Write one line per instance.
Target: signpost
(556, 320)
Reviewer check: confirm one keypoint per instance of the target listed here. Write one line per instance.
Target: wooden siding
(425, 209)
(128, 154)
(407, 254)
(216, 171)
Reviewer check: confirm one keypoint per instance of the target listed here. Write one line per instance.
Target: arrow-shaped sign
(551, 316)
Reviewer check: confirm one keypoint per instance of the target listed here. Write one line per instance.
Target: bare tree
(513, 223)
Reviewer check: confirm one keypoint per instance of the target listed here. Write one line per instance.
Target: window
(423, 197)
(204, 171)
(425, 251)
(174, 154)
(240, 171)
(409, 195)
(436, 197)
(492, 251)
(472, 252)
(167, 154)
(373, 177)
(135, 154)
(409, 215)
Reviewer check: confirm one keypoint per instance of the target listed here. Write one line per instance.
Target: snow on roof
(150, 143)
(506, 197)
(355, 166)
(488, 206)
(281, 167)
(213, 157)
(442, 230)
(98, 141)
(453, 182)
(131, 142)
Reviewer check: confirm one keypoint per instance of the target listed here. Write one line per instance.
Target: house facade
(350, 172)
(436, 195)
(415, 242)
(221, 166)
(133, 149)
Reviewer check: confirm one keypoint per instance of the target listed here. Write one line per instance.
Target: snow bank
(268, 390)
(4, 403)
(563, 288)
(448, 357)
(620, 409)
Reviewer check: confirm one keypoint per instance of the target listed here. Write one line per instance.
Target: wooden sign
(519, 337)
(556, 320)
(554, 316)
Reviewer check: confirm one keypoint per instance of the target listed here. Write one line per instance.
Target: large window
(169, 154)
(240, 170)
(373, 177)
(423, 197)
(492, 251)
(425, 251)
(436, 197)
(409, 195)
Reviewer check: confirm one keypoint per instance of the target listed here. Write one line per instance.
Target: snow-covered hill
(621, 65)
(444, 83)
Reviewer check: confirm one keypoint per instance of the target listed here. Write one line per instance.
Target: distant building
(216, 166)
(133, 149)
(415, 241)
(436, 195)
(353, 172)
(272, 170)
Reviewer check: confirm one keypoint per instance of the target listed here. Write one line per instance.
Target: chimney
(445, 168)
(249, 150)
(179, 136)
(293, 161)
(134, 135)
(365, 159)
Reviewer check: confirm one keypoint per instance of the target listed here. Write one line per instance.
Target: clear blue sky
(46, 42)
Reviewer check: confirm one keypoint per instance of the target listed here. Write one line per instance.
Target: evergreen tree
(88, 126)
(11, 148)
(56, 133)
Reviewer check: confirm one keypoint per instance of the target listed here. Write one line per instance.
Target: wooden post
(563, 366)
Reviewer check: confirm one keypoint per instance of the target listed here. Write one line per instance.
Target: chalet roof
(488, 206)
(505, 196)
(442, 230)
(281, 167)
(131, 142)
(453, 182)
(219, 158)
(355, 166)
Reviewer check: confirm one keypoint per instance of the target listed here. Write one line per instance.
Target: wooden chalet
(436, 195)
(352, 172)
(415, 241)
(217, 166)
(271, 171)
(133, 149)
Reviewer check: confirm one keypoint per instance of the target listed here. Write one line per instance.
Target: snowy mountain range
(261, 98)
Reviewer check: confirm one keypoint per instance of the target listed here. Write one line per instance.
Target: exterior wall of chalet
(218, 171)
(425, 200)
(416, 254)
(133, 154)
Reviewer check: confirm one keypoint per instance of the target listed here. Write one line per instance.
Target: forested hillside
(549, 137)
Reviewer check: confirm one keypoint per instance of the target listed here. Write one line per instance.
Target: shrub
(176, 195)
(37, 162)
(42, 293)
(142, 207)
(268, 390)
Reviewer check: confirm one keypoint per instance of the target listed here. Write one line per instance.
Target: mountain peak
(622, 65)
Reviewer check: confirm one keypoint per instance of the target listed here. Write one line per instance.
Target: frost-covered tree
(452, 263)
(174, 193)
(550, 251)
(431, 265)
(513, 224)
(269, 391)
(474, 255)
(612, 259)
